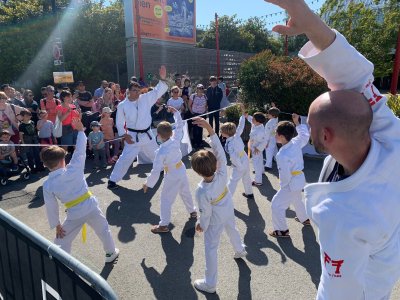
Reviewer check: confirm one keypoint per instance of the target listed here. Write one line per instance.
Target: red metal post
(396, 67)
(217, 44)
(139, 39)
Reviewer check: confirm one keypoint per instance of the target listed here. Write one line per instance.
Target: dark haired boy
(291, 177)
(257, 144)
(7, 151)
(68, 184)
(271, 149)
(215, 206)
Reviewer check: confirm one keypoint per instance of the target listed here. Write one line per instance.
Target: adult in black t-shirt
(84, 97)
(214, 96)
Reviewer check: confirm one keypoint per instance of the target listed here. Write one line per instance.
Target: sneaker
(256, 183)
(112, 185)
(193, 215)
(159, 229)
(305, 223)
(279, 234)
(240, 254)
(248, 196)
(204, 287)
(110, 257)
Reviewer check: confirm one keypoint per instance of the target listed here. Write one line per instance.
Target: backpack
(58, 102)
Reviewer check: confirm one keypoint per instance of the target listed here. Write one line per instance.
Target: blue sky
(206, 9)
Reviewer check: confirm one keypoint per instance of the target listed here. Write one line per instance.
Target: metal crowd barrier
(32, 268)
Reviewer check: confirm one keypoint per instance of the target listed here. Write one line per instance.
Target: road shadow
(255, 236)
(244, 285)
(310, 258)
(37, 200)
(174, 282)
(131, 207)
(267, 190)
(106, 271)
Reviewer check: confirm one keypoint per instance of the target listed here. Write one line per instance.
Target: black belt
(141, 131)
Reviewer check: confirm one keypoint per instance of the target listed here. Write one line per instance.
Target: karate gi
(216, 213)
(67, 184)
(357, 217)
(271, 149)
(136, 115)
(240, 162)
(292, 181)
(168, 158)
(257, 141)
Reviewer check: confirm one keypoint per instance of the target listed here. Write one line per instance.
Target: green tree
(370, 29)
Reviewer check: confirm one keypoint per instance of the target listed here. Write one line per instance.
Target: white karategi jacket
(207, 192)
(270, 131)
(257, 136)
(358, 217)
(136, 114)
(168, 154)
(235, 148)
(67, 184)
(290, 160)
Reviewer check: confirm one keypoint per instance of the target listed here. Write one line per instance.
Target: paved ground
(164, 266)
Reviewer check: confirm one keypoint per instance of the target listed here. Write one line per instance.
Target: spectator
(107, 126)
(7, 153)
(175, 101)
(134, 79)
(198, 106)
(13, 97)
(83, 97)
(214, 96)
(28, 135)
(50, 103)
(159, 113)
(43, 92)
(105, 101)
(100, 91)
(221, 84)
(45, 128)
(31, 105)
(8, 117)
(96, 144)
(66, 112)
(119, 95)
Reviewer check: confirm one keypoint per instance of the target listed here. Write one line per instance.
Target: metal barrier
(32, 268)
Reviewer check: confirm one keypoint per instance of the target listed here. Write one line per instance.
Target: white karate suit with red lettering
(271, 149)
(240, 162)
(292, 181)
(136, 115)
(358, 217)
(215, 218)
(68, 184)
(257, 141)
(168, 157)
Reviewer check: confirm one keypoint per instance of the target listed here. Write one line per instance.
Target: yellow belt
(220, 197)
(75, 202)
(177, 166)
(241, 154)
(294, 173)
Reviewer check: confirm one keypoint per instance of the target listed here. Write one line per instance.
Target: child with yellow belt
(67, 183)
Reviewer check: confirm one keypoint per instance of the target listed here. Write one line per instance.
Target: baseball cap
(200, 86)
(95, 123)
(106, 110)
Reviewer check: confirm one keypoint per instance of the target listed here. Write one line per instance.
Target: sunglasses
(175, 92)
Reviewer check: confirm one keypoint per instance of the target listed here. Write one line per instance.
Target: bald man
(356, 202)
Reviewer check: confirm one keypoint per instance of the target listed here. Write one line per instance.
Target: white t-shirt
(175, 103)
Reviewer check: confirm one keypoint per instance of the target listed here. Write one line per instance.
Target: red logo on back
(336, 264)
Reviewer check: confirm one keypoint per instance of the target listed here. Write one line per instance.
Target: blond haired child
(67, 183)
(240, 162)
(107, 127)
(291, 177)
(215, 206)
(270, 127)
(257, 145)
(168, 158)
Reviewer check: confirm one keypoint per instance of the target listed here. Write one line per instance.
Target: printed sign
(63, 77)
(168, 20)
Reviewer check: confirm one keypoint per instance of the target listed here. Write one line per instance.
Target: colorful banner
(63, 77)
(167, 20)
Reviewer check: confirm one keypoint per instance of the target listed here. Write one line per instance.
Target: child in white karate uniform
(68, 184)
(257, 145)
(240, 162)
(168, 158)
(215, 205)
(271, 150)
(292, 181)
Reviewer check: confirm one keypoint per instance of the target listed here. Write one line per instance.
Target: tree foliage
(290, 83)
(236, 35)
(372, 29)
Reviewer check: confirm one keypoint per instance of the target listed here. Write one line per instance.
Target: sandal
(193, 215)
(159, 229)
(305, 223)
(280, 234)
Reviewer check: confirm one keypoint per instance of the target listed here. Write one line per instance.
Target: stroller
(6, 172)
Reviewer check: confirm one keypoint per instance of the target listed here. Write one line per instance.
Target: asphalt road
(164, 266)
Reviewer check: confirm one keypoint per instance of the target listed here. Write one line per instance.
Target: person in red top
(66, 112)
(50, 103)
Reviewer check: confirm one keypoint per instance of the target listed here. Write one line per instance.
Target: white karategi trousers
(94, 219)
(212, 238)
(130, 152)
(240, 173)
(175, 181)
(281, 201)
(270, 152)
(258, 165)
